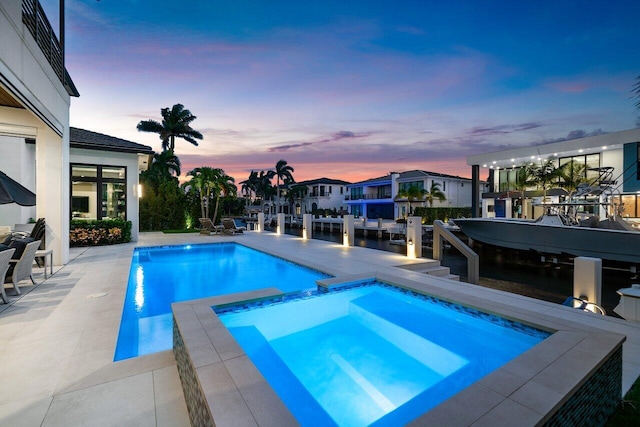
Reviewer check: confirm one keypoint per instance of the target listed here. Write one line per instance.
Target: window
(322, 191)
(330, 187)
(341, 189)
(404, 186)
(98, 192)
(590, 161)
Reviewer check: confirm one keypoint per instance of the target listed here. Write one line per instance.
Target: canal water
(518, 272)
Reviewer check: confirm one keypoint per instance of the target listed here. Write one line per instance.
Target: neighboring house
(104, 173)
(380, 197)
(373, 198)
(457, 190)
(321, 193)
(35, 94)
(611, 160)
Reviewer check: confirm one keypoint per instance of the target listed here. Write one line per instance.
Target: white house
(35, 94)
(382, 197)
(104, 173)
(73, 172)
(321, 193)
(611, 160)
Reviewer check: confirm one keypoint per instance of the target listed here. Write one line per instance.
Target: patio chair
(207, 227)
(5, 256)
(20, 268)
(230, 227)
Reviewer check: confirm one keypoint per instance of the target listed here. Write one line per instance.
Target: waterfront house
(382, 197)
(320, 193)
(75, 173)
(611, 161)
(35, 95)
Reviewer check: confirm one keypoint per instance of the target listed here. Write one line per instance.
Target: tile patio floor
(57, 341)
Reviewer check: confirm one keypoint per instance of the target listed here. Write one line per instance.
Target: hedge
(431, 214)
(100, 232)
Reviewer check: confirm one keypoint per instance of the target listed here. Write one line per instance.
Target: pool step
(433, 268)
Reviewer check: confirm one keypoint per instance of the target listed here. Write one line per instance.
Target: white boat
(610, 239)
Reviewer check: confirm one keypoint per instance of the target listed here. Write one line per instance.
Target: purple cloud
(503, 129)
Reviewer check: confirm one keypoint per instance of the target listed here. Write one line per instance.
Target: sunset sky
(353, 89)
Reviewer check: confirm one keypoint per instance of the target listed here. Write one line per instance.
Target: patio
(57, 341)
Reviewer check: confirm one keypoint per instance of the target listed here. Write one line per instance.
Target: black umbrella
(12, 192)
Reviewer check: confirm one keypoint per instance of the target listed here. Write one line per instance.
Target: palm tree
(572, 174)
(201, 183)
(223, 185)
(175, 124)
(209, 183)
(434, 193)
(282, 171)
(544, 175)
(164, 166)
(166, 163)
(412, 193)
(250, 186)
(263, 186)
(524, 181)
(295, 192)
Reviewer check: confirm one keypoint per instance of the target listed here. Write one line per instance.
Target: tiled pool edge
(575, 373)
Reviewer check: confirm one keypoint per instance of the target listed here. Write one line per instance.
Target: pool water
(374, 353)
(160, 276)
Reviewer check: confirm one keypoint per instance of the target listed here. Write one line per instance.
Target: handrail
(35, 19)
(473, 261)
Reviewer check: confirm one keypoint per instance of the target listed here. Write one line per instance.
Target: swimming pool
(160, 276)
(372, 353)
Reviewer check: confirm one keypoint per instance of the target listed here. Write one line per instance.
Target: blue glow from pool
(372, 354)
(160, 276)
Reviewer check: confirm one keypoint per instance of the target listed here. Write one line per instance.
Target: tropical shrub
(164, 209)
(100, 232)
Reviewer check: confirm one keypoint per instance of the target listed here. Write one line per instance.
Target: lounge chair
(207, 227)
(5, 256)
(230, 227)
(20, 269)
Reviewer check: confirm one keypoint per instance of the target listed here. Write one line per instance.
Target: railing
(473, 261)
(36, 21)
(368, 197)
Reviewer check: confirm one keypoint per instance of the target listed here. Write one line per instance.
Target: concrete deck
(57, 341)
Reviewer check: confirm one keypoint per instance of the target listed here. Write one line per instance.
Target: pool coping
(531, 388)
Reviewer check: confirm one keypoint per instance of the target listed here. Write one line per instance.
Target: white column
(307, 226)
(348, 231)
(414, 237)
(587, 279)
(52, 190)
(508, 207)
(260, 223)
(280, 222)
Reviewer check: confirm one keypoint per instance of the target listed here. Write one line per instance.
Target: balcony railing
(367, 197)
(36, 21)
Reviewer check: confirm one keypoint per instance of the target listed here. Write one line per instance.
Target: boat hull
(615, 245)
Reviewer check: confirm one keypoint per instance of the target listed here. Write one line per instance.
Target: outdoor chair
(230, 227)
(207, 227)
(5, 256)
(20, 268)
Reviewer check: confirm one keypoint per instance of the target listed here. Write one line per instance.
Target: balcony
(36, 21)
(368, 197)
